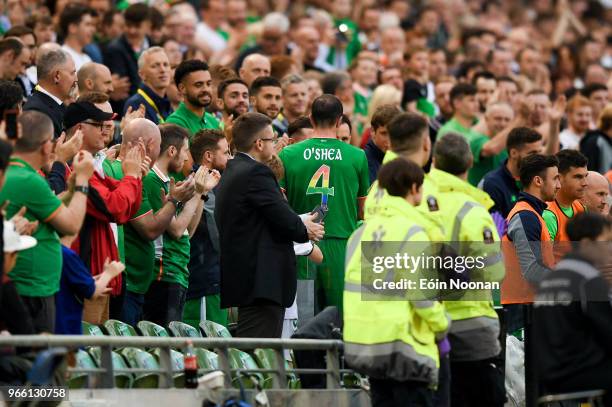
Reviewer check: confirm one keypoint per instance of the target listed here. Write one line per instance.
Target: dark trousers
(164, 302)
(262, 319)
(442, 397)
(42, 312)
(477, 383)
(14, 315)
(595, 378)
(131, 312)
(115, 305)
(391, 393)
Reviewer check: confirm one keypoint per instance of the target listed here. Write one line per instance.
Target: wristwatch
(204, 197)
(176, 202)
(82, 188)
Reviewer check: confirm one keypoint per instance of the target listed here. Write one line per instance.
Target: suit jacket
(257, 228)
(43, 103)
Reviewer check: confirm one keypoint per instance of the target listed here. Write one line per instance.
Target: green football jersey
(171, 255)
(326, 171)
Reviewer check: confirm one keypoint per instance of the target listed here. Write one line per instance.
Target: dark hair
(136, 14)
(332, 81)
(109, 17)
(326, 110)
(263, 81)
(467, 66)
(570, 158)
(519, 136)
(220, 73)
(93, 97)
(204, 140)
(483, 74)
(299, 124)
(6, 149)
(588, 90)
(157, 18)
(460, 90)
(224, 84)
(172, 135)
(38, 18)
(452, 154)
(73, 14)
(587, 225)
(406, 131)
(19, 31)
(383, 115)
(187, 67)
(344, 119)
(11, 44)
(11, 95)
(35, 126)
(535, 165)
(246, 129)
(398, 177)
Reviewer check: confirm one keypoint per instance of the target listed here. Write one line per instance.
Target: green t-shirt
(360, 109)
(171, 255)
(322, 171)
(551, 220)
(139, 253)
(38, 270)
(456, 127)
(482, 165)
(189, 120)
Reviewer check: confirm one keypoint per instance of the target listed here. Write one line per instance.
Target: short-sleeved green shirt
(171, 255)
(189, 120)
(456, 127)
(482, 165)
(38, 270)
(551, 221)
(326, 171)
(139, 252)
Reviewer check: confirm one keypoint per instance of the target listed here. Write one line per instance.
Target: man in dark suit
(57, 82)
(257, 229)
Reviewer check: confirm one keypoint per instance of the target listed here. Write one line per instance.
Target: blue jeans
(132, 308)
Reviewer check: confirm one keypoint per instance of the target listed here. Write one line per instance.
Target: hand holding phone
(320, 213)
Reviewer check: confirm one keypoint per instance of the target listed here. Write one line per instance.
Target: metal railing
(106, 372)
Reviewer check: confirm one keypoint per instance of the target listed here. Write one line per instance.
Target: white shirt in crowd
(569, 140)
(213, 39)
(79, 58)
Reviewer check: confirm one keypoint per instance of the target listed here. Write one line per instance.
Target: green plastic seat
(123, 380)
(138, 358)
(148, 328)
(242, 360)
(91, 329)
(214, 330)
(266, 359)
(181, 329)
(118, 328)
(83, 361)
(178, 366)
(207, 359)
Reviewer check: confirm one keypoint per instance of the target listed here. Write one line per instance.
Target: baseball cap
(78, 112)
(13, 241)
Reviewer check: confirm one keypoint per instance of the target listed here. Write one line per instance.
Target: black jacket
(45, 104)
(121, 59)
(257, 228)
(597, 147)
(574, 333)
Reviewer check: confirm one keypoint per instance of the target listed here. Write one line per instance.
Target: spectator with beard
(57, 82)
(295, 102)
(154, 70)
(235, 96)
(266, 97)
(209, 148)
(194, 83)
(579, 116)
(165, 298)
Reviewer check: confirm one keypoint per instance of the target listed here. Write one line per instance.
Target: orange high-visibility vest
(561, 249)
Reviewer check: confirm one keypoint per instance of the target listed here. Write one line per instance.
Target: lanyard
(152, 103)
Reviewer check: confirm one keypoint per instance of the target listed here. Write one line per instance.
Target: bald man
(146, 226)
(597, 193)
(307, 38)
(254, 66)
(94, 77)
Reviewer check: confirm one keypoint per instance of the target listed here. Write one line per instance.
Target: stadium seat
(214, 330)
(148, 328)
(242, 360)
(91, 329)
(123, 380)
(118, 328)
(207, 359)
(138, 358)
(83, 361)
(178, 366)
(266, 359)
(181, 329)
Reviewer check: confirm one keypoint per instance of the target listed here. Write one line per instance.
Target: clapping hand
(205, 180)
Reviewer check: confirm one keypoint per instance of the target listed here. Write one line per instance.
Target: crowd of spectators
(118, 119)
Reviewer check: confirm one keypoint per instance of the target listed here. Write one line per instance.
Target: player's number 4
(325, 190)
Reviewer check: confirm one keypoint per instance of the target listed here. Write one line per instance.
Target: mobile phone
(10, 120)
(320, 213)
